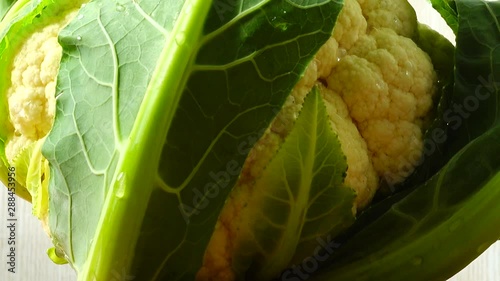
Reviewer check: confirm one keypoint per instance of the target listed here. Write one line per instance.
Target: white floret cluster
(31, 95)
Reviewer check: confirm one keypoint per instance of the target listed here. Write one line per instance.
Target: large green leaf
(469, 105)
(435, 231)
(448, 10)
(299, 198)
(151, 111)
(475, 103)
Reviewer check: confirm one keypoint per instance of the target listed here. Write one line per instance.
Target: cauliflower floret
(388, 84)
(360, 175)
(397, 15)
(31, 96)
(377, 86)
(350, 26)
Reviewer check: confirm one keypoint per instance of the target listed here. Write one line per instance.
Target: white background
(32, 243)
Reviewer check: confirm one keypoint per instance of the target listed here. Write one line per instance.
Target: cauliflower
(31, 102)
(378, 86)
(31, 95)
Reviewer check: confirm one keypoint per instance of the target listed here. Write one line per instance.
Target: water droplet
(80, 17)
(283, 26)
(180, 39)
(341, 52)
(79, 38)
(284, 12)
(407, 73)
(120, 8)
(175, 16)
(120, 185)
(417, 261)
(273, 19)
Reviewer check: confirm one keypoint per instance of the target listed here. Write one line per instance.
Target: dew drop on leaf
(120, 185)
(120, 8)
(180, 38)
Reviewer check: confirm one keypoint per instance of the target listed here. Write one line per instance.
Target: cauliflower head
(31, 101)
(31, 95)
(378, 87)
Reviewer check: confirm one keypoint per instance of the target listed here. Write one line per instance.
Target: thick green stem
(116, 236)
